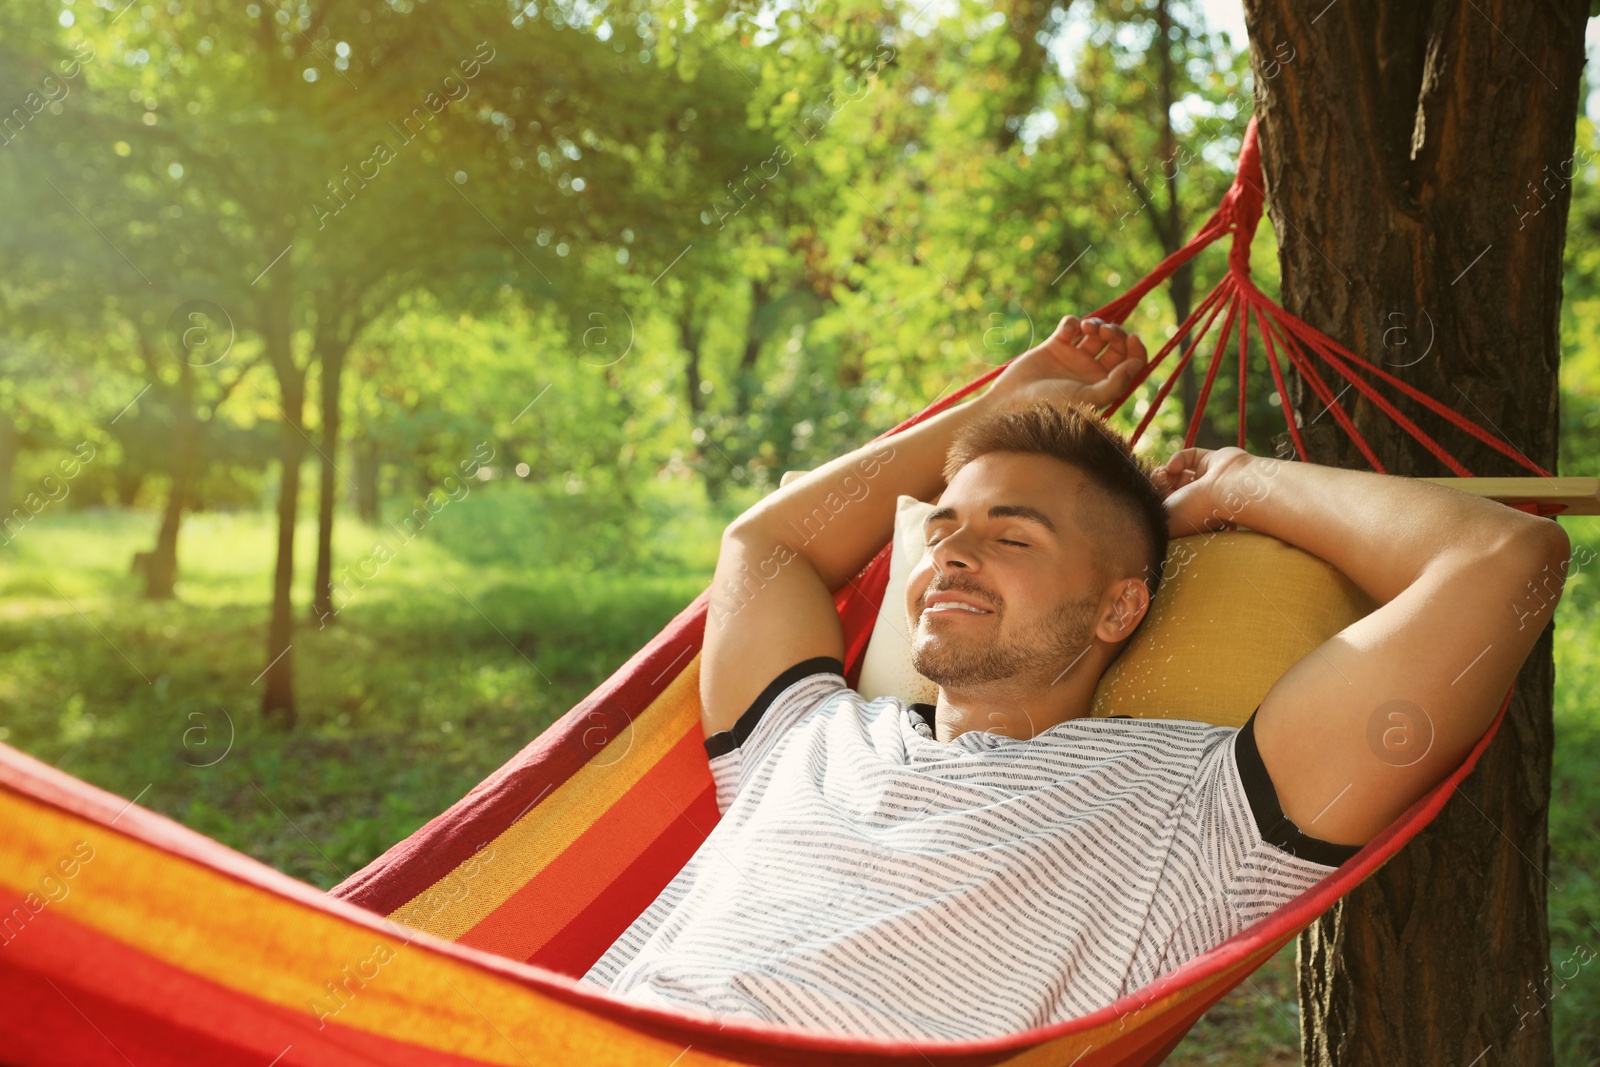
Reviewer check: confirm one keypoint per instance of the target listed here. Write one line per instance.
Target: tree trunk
(1018, 84)
(160, 564)
(277, 700)
(128, 483)
(367, 464)
(10, 441)
(745, 382)
(1171, 232)
(1182, 291)
(689, 336)
(332, 372)
(1399, 148)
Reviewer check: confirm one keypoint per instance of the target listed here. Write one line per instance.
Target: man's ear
(1131, 604)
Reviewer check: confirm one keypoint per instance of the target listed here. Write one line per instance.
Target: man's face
(1004, 538)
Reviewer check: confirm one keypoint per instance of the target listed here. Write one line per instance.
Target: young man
(1002, 860)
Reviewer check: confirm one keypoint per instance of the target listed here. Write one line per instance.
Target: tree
(194, 409)
(1139, 131)
(1417, 159)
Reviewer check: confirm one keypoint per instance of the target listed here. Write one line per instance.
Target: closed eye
(1002, 541)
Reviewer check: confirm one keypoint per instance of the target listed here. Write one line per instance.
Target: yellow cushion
(1234, 612)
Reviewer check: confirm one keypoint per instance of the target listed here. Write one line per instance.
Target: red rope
(1387, 408)
(1446, 412)
(1324, 392)
(1283, 394)
(1211, 372)
(1181, 334)
(1213, 300)
(1240, 214)
(1303, 346)
(1244, 363)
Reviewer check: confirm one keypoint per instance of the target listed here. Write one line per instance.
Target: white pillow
(886, 668)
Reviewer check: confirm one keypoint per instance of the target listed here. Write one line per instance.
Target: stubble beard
(955, 661)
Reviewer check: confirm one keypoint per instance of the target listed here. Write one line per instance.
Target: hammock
(125, 937)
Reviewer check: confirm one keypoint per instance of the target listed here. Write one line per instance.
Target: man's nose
(950, 552)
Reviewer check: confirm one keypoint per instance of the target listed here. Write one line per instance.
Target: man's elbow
(1514, 535)
(1541, 551)
(756, 515)
(1559, 543)
(1546, 543)
(744, 530)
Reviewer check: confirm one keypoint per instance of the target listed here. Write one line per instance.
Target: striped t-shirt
(869, 879)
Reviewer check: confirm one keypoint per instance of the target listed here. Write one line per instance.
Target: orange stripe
(285, 952)
(556, 895)
(586, 938)
(471, 892)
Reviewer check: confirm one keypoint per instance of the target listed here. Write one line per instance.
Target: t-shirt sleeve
(736, 752)
(1275, 861)
(1241, 860)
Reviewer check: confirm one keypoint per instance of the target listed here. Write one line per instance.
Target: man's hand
(1085, 361)
(1199, 498)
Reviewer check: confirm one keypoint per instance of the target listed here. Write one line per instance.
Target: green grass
(477, 635)
(434, 673)
(1258, 1023)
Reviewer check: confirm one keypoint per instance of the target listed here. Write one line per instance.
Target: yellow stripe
(251, 941)
(480, 884)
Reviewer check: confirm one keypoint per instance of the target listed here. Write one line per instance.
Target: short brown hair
(1074, 433)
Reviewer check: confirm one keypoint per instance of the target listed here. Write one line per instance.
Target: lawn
(430, 677)
(477, 635)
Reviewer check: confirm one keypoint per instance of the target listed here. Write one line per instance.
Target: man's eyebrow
(998, 511)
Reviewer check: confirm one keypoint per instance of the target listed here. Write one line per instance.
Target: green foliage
(1580, 314)
(435, 672)
(1573, 995)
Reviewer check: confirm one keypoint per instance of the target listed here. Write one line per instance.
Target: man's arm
(1365, 724)
(771, 602)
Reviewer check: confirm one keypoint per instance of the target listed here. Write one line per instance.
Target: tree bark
(689, 336)
(161, 565)
(10, 445)
(277, 699)
(368, 464)
(692, 335)
(332, 356)
(190, 430)
(1416, 158)
(745, 383)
